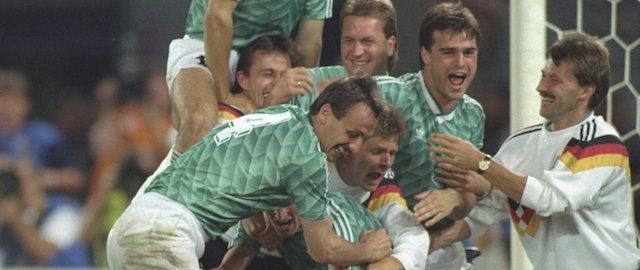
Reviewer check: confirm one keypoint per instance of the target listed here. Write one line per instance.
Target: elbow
(322, 255)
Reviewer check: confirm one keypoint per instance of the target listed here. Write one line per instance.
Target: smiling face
(266, 69)
(450, 66)
(367, 167)
(564, 102)
(364, 47)
(285, 221)
(339, 137)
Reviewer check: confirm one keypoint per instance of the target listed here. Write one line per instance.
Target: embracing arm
(324, 246)
(410, 239)
(465, 156)
(218, 37)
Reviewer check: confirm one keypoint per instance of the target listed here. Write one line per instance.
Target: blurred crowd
(54, 210)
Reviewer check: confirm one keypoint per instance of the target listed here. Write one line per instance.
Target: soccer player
(264, 160)
(217, 28)
(565, 183)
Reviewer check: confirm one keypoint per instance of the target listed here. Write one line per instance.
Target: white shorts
(187, 53)
(155, 232)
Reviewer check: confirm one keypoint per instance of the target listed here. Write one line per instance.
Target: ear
(243, 80)
(587, 92)
(426, 56)
(325, 112)
(392, 43)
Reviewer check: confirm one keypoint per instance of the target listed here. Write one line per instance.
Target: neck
(567, 122)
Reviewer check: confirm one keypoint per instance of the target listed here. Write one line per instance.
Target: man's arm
(410, 239)
(218, 37)
(308, 42)
(455, 152)
(446, 236)
(324, 246)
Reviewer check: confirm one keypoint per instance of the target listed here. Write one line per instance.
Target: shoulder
(525, 132)
(599, 137)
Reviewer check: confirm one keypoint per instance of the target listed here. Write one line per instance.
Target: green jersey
(252, 18)
(350, 218)
(327, 72)
(413, 166)
(261, 161)
(409, 94)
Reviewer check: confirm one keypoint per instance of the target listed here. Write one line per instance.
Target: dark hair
(382, 10)
(265, 43)
(347, 92)
(450, 17)
(590, 58)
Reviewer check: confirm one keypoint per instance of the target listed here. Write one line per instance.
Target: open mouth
(375, 176)
(457, 78)
(285, 227)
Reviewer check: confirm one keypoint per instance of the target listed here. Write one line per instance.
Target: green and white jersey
(327, 72)
(261, 161)
(413, 167)
(350, 218)
(253, 18)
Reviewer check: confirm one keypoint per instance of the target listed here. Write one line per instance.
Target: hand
(293, 82)
(258, 229)
(434, 205)
(378, 243)
(455, 151)
(462, 180)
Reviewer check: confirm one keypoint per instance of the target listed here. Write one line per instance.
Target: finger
(433, 220)
(451, 168)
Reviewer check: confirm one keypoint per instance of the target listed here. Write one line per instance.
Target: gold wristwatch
(483, 165)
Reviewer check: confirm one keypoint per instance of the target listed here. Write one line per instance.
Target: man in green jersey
(368, 45)
(360, 173)
(281, 229)
(217, 28)
(434, 100)
(264, 160)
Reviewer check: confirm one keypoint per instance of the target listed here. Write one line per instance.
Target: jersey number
(244, 125)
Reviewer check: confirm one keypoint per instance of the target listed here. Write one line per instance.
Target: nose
(279, 214)
(542, 85)
(354, 146)
(358, 49)
(459, 59)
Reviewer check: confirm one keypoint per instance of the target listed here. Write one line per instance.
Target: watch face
(483, 165)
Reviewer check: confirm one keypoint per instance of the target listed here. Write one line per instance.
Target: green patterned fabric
(260, 17)
(413, 166)
(261, 161)
(350, 218)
